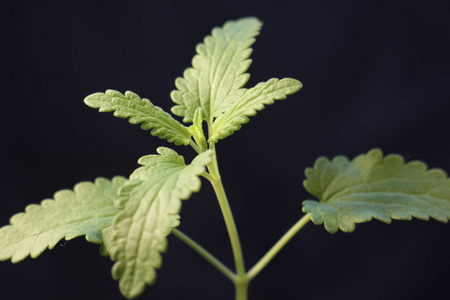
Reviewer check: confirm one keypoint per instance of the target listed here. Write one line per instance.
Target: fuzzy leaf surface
(253, 100)
(130, 105)
(218, 71)
(86, 210)
(373, 186)
(154, 195)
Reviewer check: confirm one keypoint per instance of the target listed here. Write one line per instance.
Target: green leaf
(84, 211)
(152, 117)
(196, 129)
(371, 186)
(107, 238)
(218, 71)
(253, 100)
(154, 195)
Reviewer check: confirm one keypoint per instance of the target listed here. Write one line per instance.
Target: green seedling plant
(130, 218)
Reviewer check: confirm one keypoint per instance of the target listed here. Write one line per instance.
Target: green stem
(214, 166)
(228, 217)
(195, 147)
(278, 246)
(205, 254)
(241, 280)
(207, 176)
(242, 289)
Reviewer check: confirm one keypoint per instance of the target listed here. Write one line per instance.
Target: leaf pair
(130, 218)
(217, 76)
(213, 86)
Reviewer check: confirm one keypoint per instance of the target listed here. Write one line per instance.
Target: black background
(375, 74)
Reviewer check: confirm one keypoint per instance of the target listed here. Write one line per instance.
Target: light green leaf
(371, 186)
(154, 195)
(253, 100)
(196, 129)
(152, 117)
(84, 211)
(218, 71)
(107, 238)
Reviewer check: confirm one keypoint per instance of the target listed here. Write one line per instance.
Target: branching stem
(208, 176)
(241, 278)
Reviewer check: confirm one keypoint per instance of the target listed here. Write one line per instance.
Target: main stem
(242, 280)
(231, 227)
(242, 289)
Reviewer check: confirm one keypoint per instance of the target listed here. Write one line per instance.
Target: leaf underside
(373, 186)
(86, 210)
(249, 103)
(153, 200)
(138, 110)
(218, 71)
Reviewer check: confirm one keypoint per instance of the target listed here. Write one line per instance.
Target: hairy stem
(205, 254)
(278, 246)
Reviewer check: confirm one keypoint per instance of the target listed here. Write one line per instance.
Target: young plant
(131, 217)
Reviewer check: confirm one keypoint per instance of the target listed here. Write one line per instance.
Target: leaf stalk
(195, 146)
(205, 254)
(259, 266)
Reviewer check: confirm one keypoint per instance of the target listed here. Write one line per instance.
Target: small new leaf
(218, 71)
(154, 195)
(152, 117)
(370, 186)
(196, 129)
(86, 210)
(253, 100)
